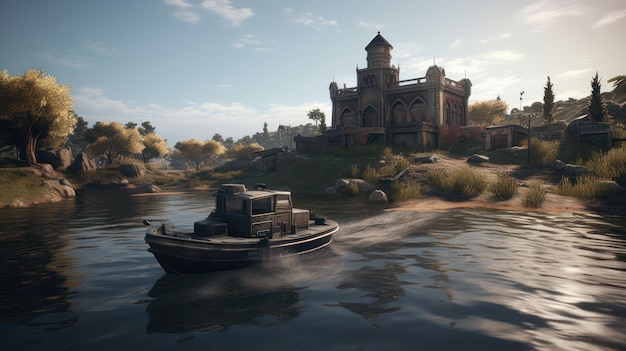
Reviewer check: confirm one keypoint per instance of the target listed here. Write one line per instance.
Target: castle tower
(378, 52)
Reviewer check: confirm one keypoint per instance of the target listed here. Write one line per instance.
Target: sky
(194, 68)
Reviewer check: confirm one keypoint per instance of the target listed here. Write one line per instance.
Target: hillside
(568, 110)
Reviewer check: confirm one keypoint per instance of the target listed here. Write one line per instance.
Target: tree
(548, 103)
(318, 116)
(218, 137)
(265, 131)
(154, 146)
(244, 151)
(130, 125)
(146, 128)
(619, 87)
(197, 152)
(77, 141)
(35, 112)
(112, 140)
(486, 112)
(596, 107)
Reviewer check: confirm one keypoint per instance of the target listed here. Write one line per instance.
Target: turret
(378, 52)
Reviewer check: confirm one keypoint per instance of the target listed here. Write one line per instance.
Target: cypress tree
(548, 103)
(596, 107)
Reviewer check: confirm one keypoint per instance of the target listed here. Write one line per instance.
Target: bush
(610, 165)
(402, 191)
(535, 196)
(587, 187)
(353, 171)
(543, 152)
(465, 182)
(505, 187)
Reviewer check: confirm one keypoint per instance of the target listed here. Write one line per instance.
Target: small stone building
(499, 137)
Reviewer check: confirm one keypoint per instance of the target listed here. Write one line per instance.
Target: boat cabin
(258, 213)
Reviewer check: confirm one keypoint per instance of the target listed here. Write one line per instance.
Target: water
(77, 275)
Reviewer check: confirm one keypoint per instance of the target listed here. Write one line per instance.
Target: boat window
(262, 206)
(233, 205)
(283, 201)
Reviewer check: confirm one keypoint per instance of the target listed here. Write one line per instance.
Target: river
(76, 275)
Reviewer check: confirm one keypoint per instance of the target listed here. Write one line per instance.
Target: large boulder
(82, 163)
(378, 196)
(135, 170)
(476, 158)
(426, 159)
(58, 159)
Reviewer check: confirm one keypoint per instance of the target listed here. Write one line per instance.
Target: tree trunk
(31, 145)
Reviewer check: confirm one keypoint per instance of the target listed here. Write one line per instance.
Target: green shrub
(535, 196)
(587, 187)
(402, 191)
(543, 152)
(438, 178)
(464, 182)
(610, 165)
(505, 187)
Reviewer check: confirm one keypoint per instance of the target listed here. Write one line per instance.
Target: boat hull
(179, 253)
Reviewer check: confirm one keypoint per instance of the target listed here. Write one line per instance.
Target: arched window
(370, 117)
(399, 113)
(418, 111)
(347, 118)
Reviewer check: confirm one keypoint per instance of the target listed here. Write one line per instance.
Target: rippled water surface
(77, 275)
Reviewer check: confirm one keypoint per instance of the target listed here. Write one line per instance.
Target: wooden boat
(247, 226)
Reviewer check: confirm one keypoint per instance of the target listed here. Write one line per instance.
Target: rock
(59, 189)
(609, 187)
(476, 158)
(576, 170)
(426, 159)
(82, 163)
(58, 159)
(378, 196)
(353, 186)
(135, 170)
(558, 165)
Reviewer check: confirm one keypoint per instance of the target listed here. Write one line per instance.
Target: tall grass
(505, 187)
(535, 196)
(465, 182)
(402, 191)
(373, 174)
(543, 152)
(586, 187)
(610, 165)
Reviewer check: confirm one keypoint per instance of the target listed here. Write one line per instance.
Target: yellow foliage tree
(35, 112)
(112, 140)
(486, 112)
(154, 146)
(244, 151)
(196, 151)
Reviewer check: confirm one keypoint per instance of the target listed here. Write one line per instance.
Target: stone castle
(383, 108)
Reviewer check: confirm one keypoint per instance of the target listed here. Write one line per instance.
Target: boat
(247, 227)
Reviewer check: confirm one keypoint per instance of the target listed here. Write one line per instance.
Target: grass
(20, 184)
(587, 187)
(465, 182)
(505, 187)
(402, 191)
(535, 196)
(610, 165)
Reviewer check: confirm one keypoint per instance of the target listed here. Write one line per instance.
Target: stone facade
(383, 108)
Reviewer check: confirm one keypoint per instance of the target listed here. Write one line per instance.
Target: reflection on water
(77, 274)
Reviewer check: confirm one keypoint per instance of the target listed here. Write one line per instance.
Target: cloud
(226, 10)
(610, 19)
(576, 73)
(495, 38)
(546, 12)
(309, 19)
(456, 43)
(254, 41)
(73, 61)
(100, 47)
(371, 25)
(184, 11)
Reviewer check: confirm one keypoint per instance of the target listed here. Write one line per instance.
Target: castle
(384, 109)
